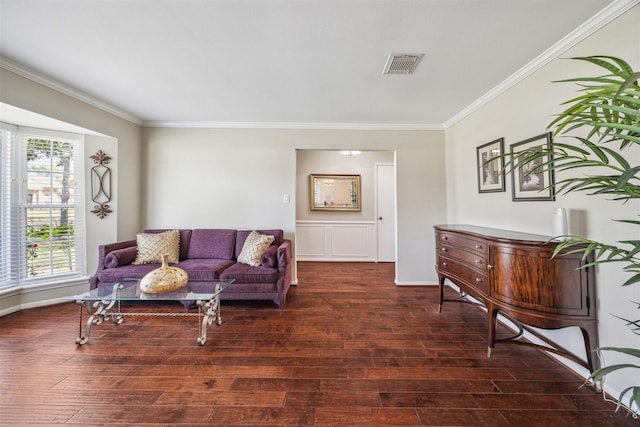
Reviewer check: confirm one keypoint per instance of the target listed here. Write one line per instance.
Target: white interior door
(386, 212)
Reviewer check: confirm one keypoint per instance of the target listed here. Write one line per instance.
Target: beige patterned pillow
(254, 247)
(151, 246)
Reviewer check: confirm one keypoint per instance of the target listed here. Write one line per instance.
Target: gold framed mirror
(334, 192)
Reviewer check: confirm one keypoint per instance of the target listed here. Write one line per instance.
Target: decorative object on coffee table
(164, 279)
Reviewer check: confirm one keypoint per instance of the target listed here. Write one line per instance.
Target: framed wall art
(532, 181)
(490, 166)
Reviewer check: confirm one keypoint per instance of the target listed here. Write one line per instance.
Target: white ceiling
(298, 63)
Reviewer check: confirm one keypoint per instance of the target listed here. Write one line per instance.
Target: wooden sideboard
(515, 274)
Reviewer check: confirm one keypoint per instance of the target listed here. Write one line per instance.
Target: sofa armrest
(284, 272)
(103, 251)
(284, 255)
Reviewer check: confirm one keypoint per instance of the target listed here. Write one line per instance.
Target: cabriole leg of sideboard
(588, 332)
(441, 291)
(492, 312)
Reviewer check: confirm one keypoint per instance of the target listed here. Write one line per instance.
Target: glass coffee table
(105, 303)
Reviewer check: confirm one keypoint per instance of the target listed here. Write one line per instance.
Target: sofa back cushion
(212, 243)
(243, 234)
(185, 236)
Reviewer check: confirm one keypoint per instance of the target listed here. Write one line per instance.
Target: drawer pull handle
(478, 246)
(445, 264)
(478, 261)
(479, 280)
(489, 266)
(444, 249)
(444, 237)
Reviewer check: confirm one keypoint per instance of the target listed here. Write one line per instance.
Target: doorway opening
(367, 235)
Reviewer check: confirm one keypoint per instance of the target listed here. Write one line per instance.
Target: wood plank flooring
(350, 349)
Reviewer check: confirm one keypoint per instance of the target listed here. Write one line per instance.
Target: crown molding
(22, 71)
(290, 125)
(605, 16)
(608, 14)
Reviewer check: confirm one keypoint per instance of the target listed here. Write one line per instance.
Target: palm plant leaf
(622, 69)
(634, 325)
(635, 396)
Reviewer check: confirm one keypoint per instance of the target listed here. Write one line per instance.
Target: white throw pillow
(254, 247)
(151, 247)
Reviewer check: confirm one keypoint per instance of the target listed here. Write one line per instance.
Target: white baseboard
(420, 283)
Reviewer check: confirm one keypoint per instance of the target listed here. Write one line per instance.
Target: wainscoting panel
(335, 241)
(310, 241)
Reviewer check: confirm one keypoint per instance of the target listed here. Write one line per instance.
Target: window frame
(17, 218)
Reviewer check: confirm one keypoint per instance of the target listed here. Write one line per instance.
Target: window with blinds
(8, 215)
(42, 207)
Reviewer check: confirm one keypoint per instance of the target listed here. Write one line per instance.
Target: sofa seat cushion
(204, 269)
(244, 273)
(131, 271)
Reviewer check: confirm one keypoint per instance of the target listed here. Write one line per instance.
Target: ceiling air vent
(401, 64)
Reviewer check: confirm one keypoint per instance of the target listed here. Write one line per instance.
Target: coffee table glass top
(129, 290)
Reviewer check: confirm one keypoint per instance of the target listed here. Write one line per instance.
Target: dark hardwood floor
(350, 349)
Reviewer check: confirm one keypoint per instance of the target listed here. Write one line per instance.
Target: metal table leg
(208, 311)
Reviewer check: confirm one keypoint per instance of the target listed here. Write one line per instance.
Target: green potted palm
(605, 116)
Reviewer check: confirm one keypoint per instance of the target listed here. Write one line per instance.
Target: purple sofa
(208, 254)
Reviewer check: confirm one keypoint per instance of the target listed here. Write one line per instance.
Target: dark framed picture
(490, 166)
(533, 180)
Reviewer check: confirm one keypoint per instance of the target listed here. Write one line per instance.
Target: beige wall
(236, 178)
(522, 112)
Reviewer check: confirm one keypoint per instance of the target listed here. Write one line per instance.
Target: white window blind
(42, 207)
(9, 240)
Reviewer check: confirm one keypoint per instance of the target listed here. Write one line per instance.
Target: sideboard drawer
(474, 260)
(464, 242)
(476, 278)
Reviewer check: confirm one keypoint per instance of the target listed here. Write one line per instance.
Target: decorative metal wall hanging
(101, 184)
